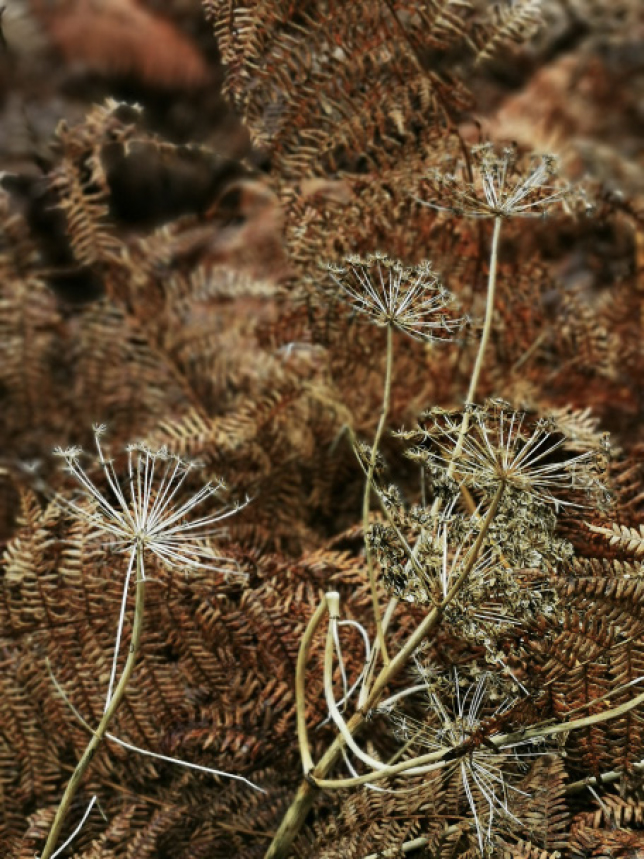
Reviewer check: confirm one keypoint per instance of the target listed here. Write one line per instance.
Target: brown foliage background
(159, 273)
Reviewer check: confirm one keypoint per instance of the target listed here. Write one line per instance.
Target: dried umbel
(496, 596)
(499, 186)
(501, 446)
(145, 514)
(526, 529)
(483, 772)
(409, 299)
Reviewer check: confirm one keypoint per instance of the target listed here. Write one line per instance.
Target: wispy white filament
(77, 830)
(147, 518)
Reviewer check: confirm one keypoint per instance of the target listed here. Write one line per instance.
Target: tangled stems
(110, 710)
(315, 779)
(452, 467)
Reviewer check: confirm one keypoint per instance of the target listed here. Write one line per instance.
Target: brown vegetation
(161, 276)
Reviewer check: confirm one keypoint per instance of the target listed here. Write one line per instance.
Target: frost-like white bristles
(482, 771)
(409, 299)
(147, 517)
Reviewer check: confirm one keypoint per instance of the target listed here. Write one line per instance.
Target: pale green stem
(480, 357)
(435, 760)
(604, 778)
(489, 311)
(99, 733)
(300, 680)
(292, 821)
(386, 397)
(371, 665)
(574, 725)
(409, 846)
(301, 805)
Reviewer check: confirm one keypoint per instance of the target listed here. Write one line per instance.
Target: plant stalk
(367, 493)
(485, 339)
(99, 733)
(300, 680)
(305, 796)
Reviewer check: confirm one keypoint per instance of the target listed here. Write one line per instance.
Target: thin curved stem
(146, 752)
(99, 733)
(303, 800)
(489, 311)
(386, 397)
(480, 356)
(300, 681)
(301, 805)
(434, 760)
(371, 662)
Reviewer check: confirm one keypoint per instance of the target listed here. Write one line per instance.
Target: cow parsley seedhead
(502, 446)
(410, 299)
(495, 597)
(143, 513)
(500, 187)
(461, 722)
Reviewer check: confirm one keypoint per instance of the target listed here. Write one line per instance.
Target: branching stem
(303, 801)
(296, 814)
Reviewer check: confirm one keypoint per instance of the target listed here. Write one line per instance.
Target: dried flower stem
(146, 752)
(314, 781)
(371, 663)
(406, 847)
(115, 700)
(367, 493)
(300, 681)
(304, 798)
(489, 310)
(436, 760)
(602, 779)
(574, 725)
(480, 357)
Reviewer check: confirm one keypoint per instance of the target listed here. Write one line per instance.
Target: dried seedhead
(145, 513)
(500, 186)
(495, 598)
(503, 446)
(409, 299)
(483, 769)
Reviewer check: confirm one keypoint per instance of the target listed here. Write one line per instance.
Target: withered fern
(175, 294)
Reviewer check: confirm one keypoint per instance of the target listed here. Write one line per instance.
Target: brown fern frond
(543, 811)
(513, 24)
(260, 448)
(360, 60)
(525, 850)
(86, 216)
(29, 349)
(385, 821)
(615, 827)
(61, 602)
(629, 540)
